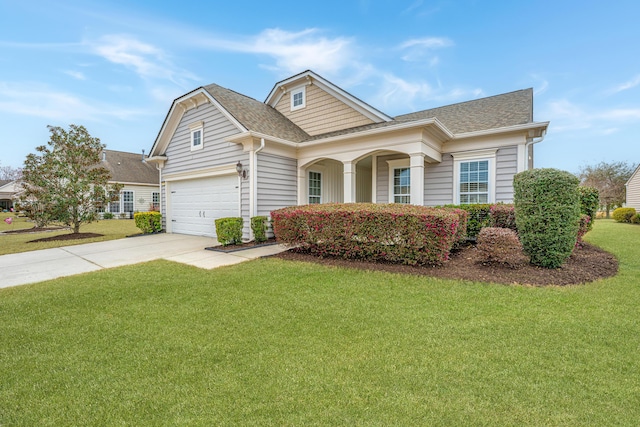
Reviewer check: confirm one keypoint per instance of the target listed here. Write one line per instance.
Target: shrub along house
(140, 191)
(222, 154)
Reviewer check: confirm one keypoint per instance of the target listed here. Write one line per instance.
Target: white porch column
(349, 182)
(302, 186)
(417, 178)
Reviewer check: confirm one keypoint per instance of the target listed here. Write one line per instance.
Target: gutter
(530, 144)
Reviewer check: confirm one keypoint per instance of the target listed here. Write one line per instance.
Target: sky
(116, 66)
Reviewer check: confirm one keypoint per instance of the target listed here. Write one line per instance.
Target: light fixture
(242, 173)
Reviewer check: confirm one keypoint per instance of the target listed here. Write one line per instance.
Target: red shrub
(503, 216)
(500, 246)
(585, 224)
(397, 233)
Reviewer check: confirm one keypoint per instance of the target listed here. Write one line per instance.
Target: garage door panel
(196, 203)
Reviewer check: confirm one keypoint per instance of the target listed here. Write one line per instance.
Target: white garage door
(196, 203)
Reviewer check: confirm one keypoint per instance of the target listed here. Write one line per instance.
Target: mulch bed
(71, 236)
(242, 246)
(587, 264)
(34, 230)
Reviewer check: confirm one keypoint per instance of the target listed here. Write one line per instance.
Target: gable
(321, 113)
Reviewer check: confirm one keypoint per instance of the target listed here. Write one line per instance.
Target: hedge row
(392, 232)
(481, 215)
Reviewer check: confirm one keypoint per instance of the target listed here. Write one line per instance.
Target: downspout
(529, 144)
(253, 174)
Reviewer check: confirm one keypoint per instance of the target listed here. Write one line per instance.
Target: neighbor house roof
(4, 182)
(129, 168)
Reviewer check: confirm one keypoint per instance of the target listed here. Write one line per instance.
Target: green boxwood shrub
(259, 226)
(589, 203)
(547, 206)
(229, 230)
(391, 232)
(478, 217)
(623, 214)
(107, 215)
(635, 219)
(148, 222)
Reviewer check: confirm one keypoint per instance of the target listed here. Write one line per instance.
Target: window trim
(309, 172)
(302, 90)
(194, 128)
(393, 165)
(474, 156)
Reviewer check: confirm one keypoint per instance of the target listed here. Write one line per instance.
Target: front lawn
(19, 242)
(273, 342)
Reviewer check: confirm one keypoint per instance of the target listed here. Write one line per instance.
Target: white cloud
(421, 49)
(293, 52)
(144, 59)
(627, 85)
(78, 75)
(567, 116)
(42, 101)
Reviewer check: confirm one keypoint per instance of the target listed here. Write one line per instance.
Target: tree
(65, 181)
(609, 179)
(8, 173)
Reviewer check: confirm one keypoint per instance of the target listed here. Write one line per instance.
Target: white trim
(393, 165)
(302, 90)
(196, 128)
(374, 178)
(493, 131)
(470, 156)
(202, 173)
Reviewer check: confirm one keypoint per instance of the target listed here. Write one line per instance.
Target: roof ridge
(467, 102)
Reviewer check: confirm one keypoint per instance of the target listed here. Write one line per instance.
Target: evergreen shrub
(259, 226)
(148, 222)
(501, 246)
(547, 206)
(589, 203)
(229, 230)
(396, 233)
(623, 214)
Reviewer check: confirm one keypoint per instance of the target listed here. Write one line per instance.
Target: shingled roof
(255, 115)
(507, 109)
(129, 168)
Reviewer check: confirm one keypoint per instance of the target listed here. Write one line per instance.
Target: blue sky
(115, 67)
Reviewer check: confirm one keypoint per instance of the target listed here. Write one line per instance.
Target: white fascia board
(507, 129)
(241, 137)
(387, 129)
(309, 77)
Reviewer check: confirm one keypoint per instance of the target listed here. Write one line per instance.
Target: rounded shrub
(229, 230)
(635, 219)
(623, 214)
(500, 246)
(589, 203)
(547, 206)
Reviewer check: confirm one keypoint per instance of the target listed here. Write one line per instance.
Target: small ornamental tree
(547, 205)
(64, 182)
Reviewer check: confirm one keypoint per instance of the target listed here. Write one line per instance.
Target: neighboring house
(633, 190)
(141, 191)
(313, 142)
(8, 191)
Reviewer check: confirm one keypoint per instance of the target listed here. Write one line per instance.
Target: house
(141, 191)
(632, 187)
(221, 153)
(8, 190)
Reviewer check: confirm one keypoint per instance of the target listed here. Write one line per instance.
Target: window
(127, 201)
(315, 187)
(474, 176)
(402, 185)
(298, 98)
(196, 135)
(155, 201)
(474, 182)
(114, 207)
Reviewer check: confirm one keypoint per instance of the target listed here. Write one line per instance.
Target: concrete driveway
(36, 266)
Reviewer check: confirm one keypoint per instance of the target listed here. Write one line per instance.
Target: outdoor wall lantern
(242, 172)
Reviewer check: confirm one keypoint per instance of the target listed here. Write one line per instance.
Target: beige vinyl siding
(438, 182)
(363, 181)
(277, 183)
(142, 196)
(506, 168)
(217, 151)
(322, 113)
(382, 177)
(633, 192)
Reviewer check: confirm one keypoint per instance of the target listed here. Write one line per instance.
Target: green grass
(271, 342)
(19, 242)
